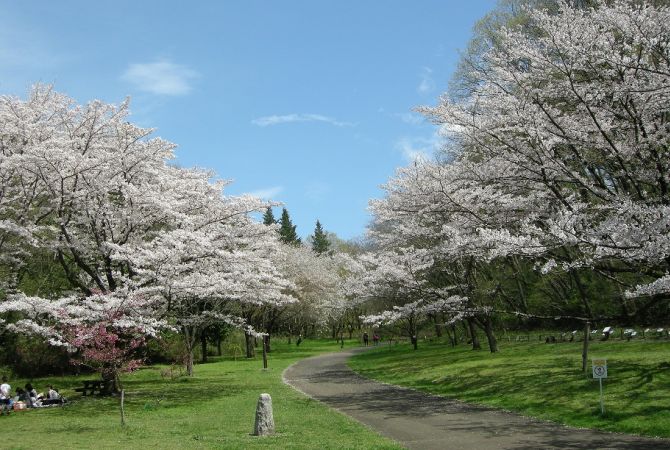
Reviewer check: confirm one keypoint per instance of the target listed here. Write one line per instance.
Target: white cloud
(410, 118)
(290, 118)
(161, 77)
(418, 148)
(427, 84)
(267, 193)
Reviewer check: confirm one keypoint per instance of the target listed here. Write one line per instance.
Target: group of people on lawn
(26, 398)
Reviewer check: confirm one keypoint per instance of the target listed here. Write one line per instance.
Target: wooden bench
(91, 386)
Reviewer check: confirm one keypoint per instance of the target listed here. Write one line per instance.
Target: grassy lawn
(213, 409)
(540, 380)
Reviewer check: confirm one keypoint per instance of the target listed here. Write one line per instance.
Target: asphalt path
(421, 421)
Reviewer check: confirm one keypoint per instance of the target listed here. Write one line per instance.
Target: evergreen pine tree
(287, 232)
(320, 242)
(269, 217)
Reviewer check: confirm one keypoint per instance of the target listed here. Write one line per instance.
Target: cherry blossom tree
(556, 155)
(316, 284)
(127, 227)
(579, 130)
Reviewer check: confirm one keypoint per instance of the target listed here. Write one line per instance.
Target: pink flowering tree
(106, 348)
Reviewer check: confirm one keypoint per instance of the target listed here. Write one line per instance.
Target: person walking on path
(5, 396)
(366, 339)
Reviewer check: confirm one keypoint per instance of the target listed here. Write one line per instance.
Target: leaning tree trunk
(490, 336)
(473, 335)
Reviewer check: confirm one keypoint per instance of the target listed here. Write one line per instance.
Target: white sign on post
(599, 368)
(600, 372)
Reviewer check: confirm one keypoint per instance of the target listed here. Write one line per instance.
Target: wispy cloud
(267, 193)
(162, 77)
(410, 118)
(426, 84)
(418, 148)
(267, 121)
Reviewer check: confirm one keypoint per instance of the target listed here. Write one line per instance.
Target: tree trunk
(189, 362)
(582, 294)
(438, 329)
(112, 379)
(203, 346)
(490, 336)
(248, 340)
(473, 335)
(453, 329)
(412, 332)
(452, 340)
(219, 350)
(585, 348)
(519, 284)
(267, 343)
(189, 342)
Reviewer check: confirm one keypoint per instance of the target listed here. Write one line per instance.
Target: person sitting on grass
(52, 397)
(53, 393)
(5, 396)
(32, 395)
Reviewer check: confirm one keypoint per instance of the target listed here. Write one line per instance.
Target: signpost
(600, 372)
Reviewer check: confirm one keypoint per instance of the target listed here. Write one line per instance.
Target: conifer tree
(320, 243)
(269, 217)
(287, 232)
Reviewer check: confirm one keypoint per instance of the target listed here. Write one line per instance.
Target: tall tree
(144, 243)
(287, 232)
(269, 217)
(320, 243)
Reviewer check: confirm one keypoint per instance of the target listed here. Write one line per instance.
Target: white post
(602, 405)
(123, 418)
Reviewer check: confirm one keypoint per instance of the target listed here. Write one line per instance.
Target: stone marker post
(265, 423)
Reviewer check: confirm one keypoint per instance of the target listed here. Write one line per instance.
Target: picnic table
(90, 387)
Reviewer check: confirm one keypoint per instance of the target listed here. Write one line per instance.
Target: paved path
(422, 421)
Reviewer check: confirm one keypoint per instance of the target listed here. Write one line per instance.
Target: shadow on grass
(542, 380)
(412, 412)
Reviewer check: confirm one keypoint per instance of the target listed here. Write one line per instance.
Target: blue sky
(306, 102)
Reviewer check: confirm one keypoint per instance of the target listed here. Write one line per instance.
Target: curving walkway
(422, 421)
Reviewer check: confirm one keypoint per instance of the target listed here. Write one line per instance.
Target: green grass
(212, 410)
(540, 380)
